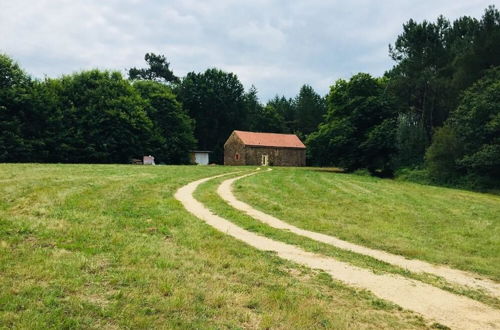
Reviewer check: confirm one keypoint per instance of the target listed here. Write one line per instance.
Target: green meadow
(107, 246)
(447, 226)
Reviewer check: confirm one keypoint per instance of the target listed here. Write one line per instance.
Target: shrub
(441, 157)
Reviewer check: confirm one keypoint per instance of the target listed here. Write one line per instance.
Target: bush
(417, 175)
(359, 128)
(441, 157)
(362, 172)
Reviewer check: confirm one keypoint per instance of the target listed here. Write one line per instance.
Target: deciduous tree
(359, 130)
(172, 135)
(470, 141)
(105, 119)
(215, 99)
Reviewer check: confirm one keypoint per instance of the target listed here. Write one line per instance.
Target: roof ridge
(237, 130)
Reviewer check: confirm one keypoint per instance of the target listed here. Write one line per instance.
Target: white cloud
(261, 36)
(275, 45)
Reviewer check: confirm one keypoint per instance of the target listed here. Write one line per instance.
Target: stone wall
(234, 151)
(277, 156)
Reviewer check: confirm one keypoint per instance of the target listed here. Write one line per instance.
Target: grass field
(440, 225)
(107, 246)
(207, 194)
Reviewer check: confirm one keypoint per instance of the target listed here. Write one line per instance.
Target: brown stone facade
(234, 151)
(237, 153)
(275, 156)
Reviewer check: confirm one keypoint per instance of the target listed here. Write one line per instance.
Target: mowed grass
(207, 194)
(441, 225)
(103, 246)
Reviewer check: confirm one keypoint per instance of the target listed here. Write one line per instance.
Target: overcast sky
(276, 45)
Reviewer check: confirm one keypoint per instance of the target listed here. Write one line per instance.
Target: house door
(265, 160)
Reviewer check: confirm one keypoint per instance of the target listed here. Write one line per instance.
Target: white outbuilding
(199, 157)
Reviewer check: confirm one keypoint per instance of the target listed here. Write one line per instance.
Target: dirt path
(451, 310)
(417, 266)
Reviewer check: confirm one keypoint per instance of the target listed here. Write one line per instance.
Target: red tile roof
(270, 139)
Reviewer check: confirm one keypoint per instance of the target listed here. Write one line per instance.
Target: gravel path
(417, 266)
(432, 303)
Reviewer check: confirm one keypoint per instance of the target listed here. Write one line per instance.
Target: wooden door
(265, 160)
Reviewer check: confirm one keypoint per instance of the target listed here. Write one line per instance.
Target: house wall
(276, 156)
(232, 147)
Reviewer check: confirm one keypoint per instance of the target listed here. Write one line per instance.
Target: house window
(237, 156)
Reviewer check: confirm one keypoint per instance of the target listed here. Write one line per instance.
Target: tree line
(102, 117)
(436, 110)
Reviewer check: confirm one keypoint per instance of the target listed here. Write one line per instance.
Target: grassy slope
(207, 194)
(108, 246)
(441, 225)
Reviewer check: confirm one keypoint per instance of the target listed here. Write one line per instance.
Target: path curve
(446, 308)
(452, 275)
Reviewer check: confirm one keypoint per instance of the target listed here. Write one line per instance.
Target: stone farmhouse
(250, 148)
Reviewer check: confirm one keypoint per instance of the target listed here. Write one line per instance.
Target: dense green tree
(28, 121)
(15, 90)
(435, 62)
(89, 117)
(158, 70)
(45, 127)
(442, 155)
(262, 118)
(104, 118)
(475, 45)
(216, 100)
(473, 134)
(359, 130)
(421, 56)
(269, 120)
(309, 110)
(286, 110)
(411, 140)
(438, 60)
(172, 136)
(253, 108)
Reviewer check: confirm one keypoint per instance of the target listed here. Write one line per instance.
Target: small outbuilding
(199, 157)
(148, 160)
(251, 148)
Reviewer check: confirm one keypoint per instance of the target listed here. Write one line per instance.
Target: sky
(278, 46)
